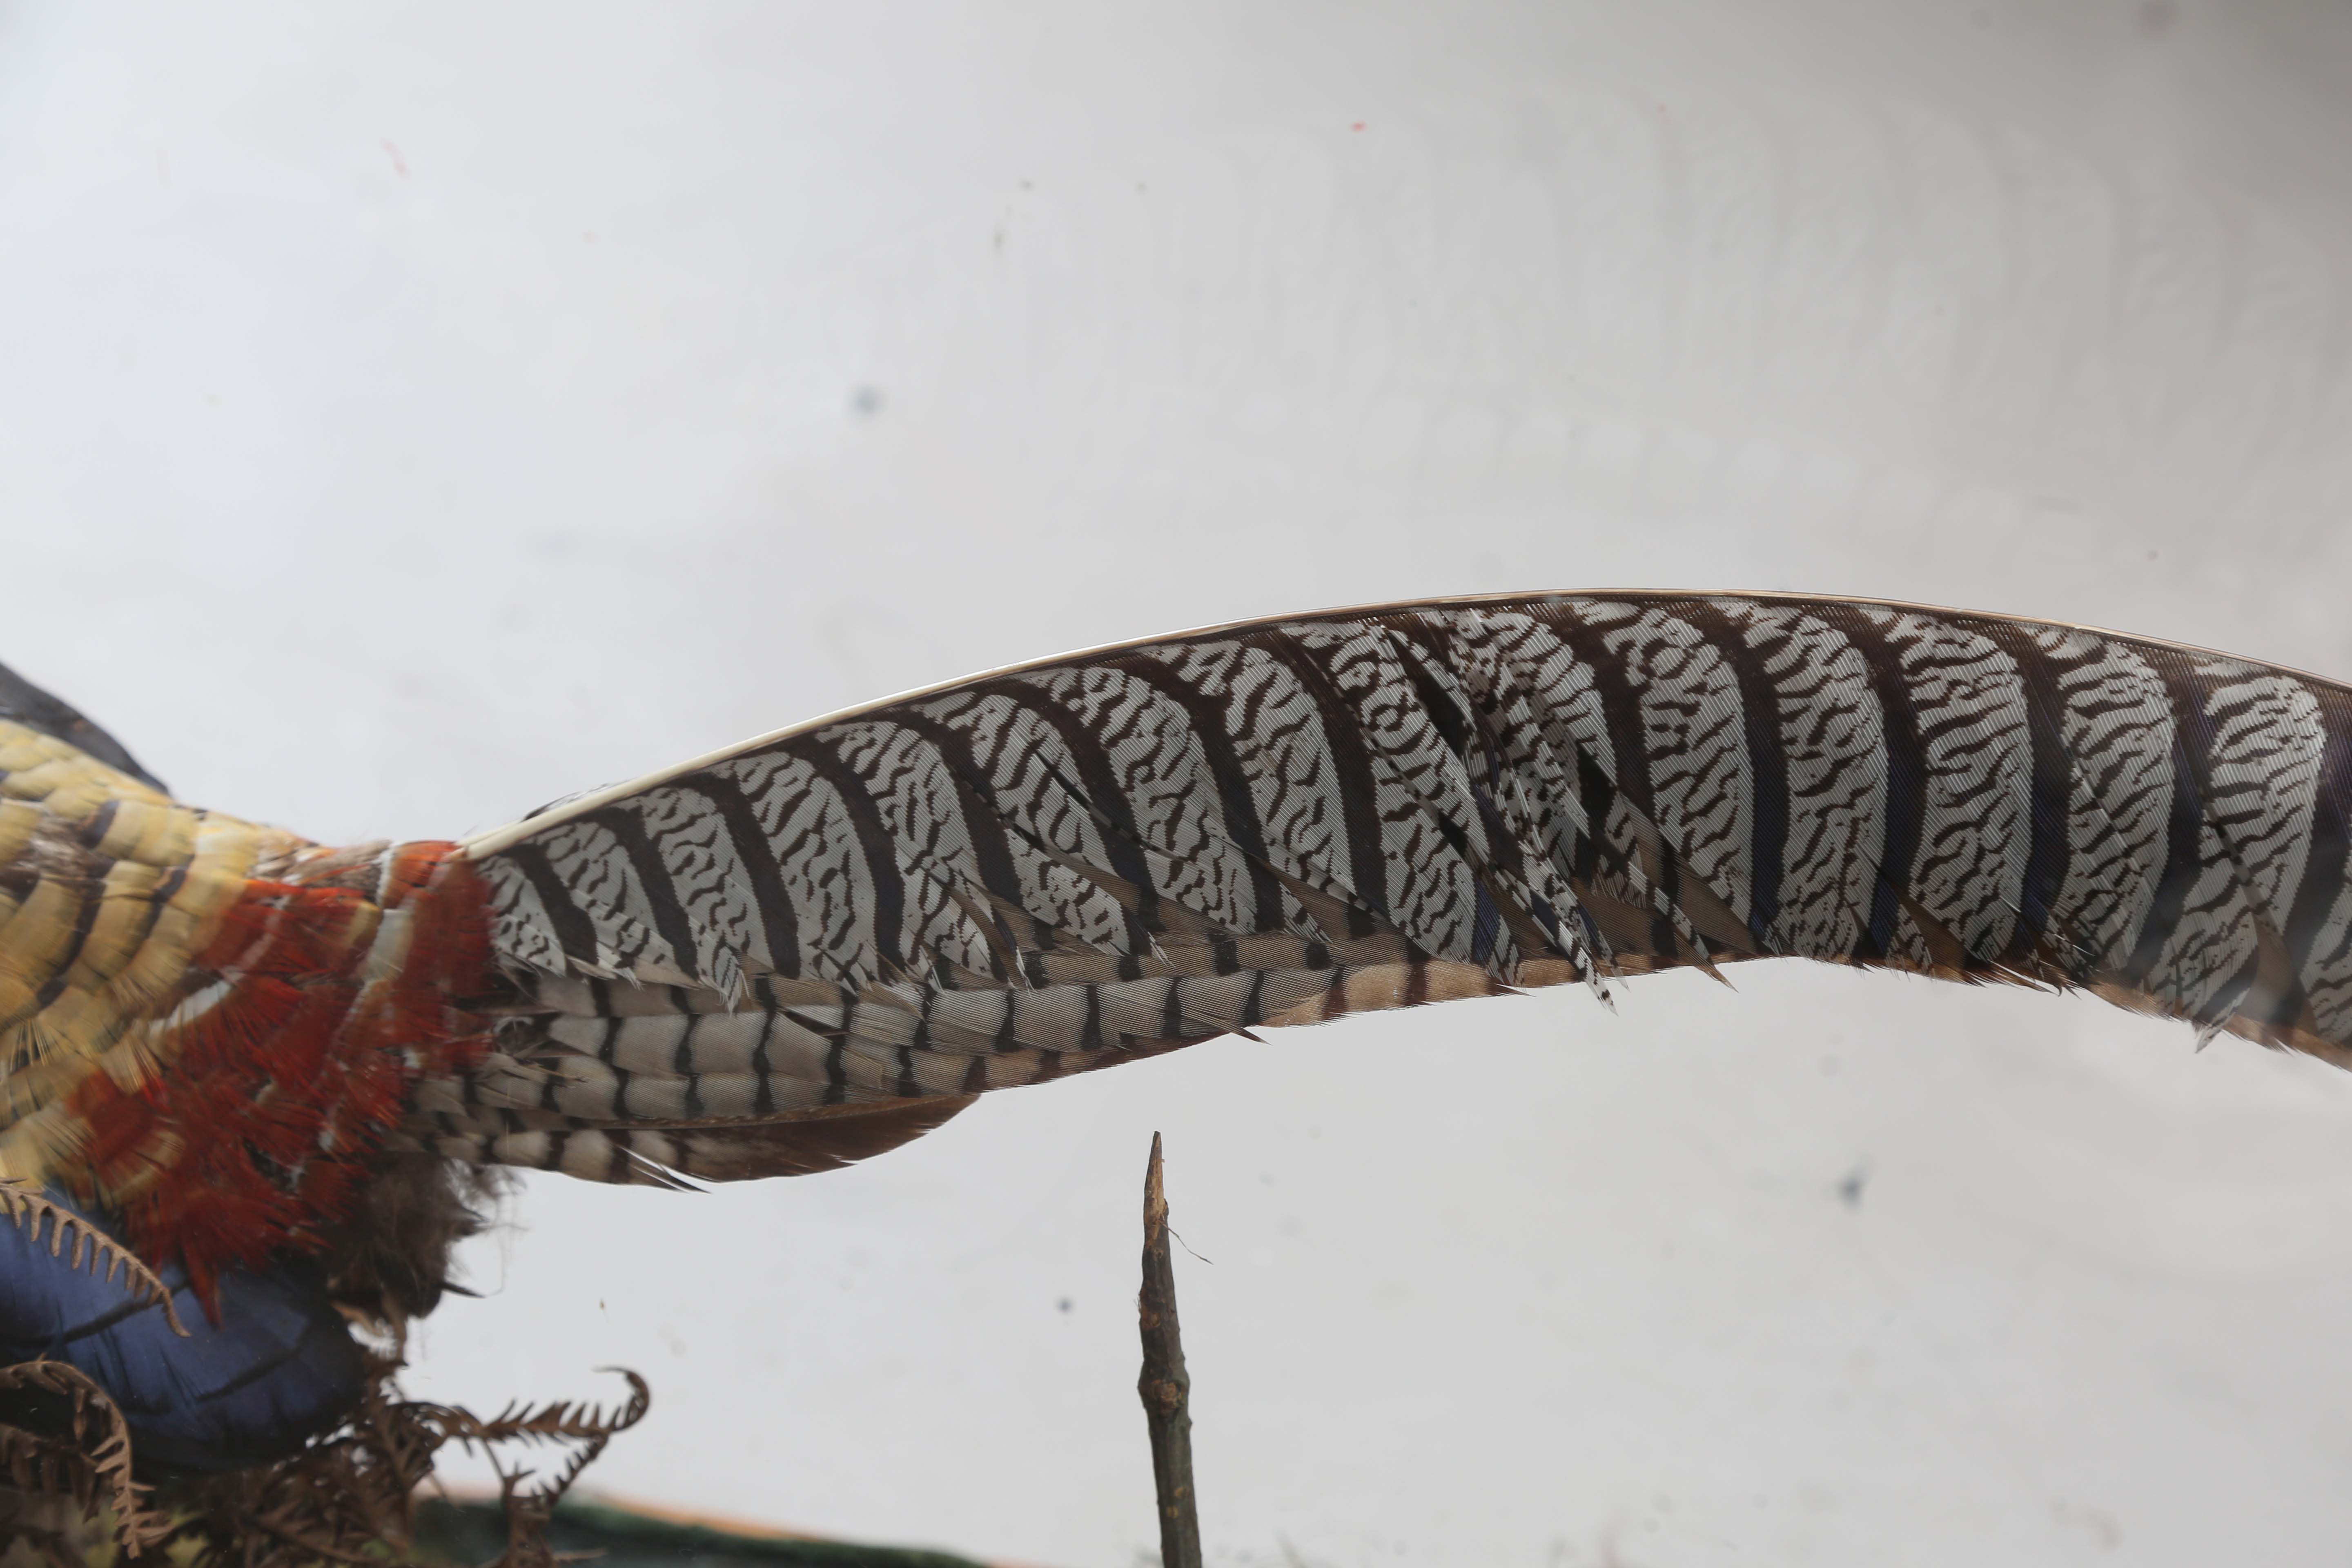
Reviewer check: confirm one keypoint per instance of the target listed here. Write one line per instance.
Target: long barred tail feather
(1067, 865)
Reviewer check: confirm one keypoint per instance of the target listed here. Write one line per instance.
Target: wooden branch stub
(1165, 1386)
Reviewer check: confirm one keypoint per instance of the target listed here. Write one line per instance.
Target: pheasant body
(210, 1026)
(814, 946)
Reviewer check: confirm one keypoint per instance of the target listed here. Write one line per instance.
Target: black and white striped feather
(824, 942)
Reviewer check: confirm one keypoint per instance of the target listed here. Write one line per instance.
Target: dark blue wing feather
(279, 1366)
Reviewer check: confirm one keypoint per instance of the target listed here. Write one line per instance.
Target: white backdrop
(412, 412)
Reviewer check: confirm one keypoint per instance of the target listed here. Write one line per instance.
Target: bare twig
(1165, 1386)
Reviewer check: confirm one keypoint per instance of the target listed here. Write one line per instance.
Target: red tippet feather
(255, 1137)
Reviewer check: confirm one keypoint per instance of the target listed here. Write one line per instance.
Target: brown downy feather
(389, 1260)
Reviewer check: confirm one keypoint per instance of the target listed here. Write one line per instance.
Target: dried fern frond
(348, 1499)
(344, 1500)
(89, 1460)
(82, 1244)
(341, 1500)
(565, 1421)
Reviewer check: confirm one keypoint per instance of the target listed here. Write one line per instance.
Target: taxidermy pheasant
(266, 1066)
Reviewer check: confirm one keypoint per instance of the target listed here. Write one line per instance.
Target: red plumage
(257, 1133)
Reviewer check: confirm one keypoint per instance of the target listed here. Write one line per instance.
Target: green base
(465, 1534)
